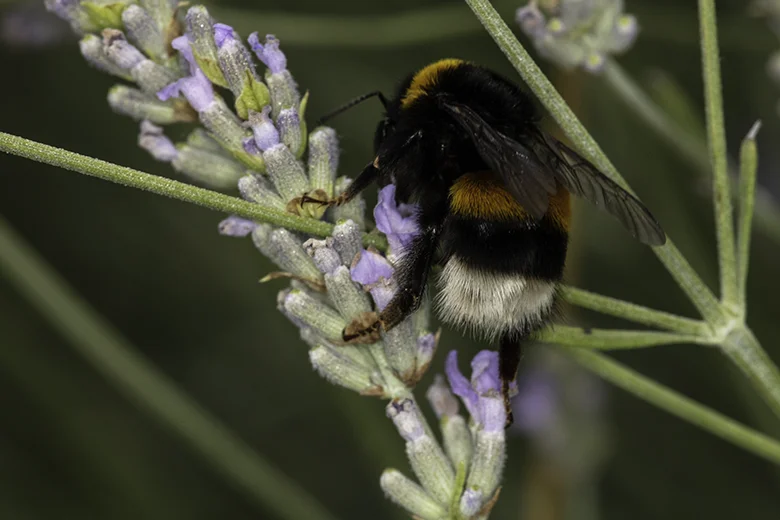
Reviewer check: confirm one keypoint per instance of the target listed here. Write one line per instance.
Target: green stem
(140, 381)
(633, 312)
(716, 137)
(611, 339)
(744, 350)
(748, 164)
(679, 405)
(162, 186)
(671, 257)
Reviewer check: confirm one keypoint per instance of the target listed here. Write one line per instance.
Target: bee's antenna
(356, 101)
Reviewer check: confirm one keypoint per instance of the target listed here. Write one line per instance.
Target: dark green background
(72, 447)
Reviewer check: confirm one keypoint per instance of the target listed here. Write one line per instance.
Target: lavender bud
(284, 90)
(200, 32)
(286, 251)
(401, 351)
(235, 226)
(226, 128)
(93, 51)
(291, 131)
(426, 348)
(285, 172)
(162, 11)
(139, 105)
(144, 32)
(150, 76)
(455, 431)
(263, 129)
(354, 210)
(323, 159)
(471, 502)
(315, 314)
(347, 241)
(239, 71)
(72, 12)
(410, 496)
(208, 168)
(345, 294)
(426, 457)
(487, 462)
(257, 189)
(358, 355)
(341, 370)
(325, 258)
(156, 143)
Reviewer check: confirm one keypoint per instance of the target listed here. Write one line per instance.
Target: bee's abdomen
(501, 267)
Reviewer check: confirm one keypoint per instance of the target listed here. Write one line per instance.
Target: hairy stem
(162, 186)
(121, 364)
(676, 264)
(613, 339)
(716, 138)
(679, 405)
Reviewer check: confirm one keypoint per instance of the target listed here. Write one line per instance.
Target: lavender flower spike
(482, 397)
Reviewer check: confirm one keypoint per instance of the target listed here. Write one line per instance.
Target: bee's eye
(383, 129)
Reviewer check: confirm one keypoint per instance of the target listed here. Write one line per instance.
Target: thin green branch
(716, 138)
(748, 164)
(675, 263)
(679, 405)
(120, 363)
(633, 312)
(162, 186)
(613, 339)
(742, 348)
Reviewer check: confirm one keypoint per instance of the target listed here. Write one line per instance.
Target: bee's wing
(580, 177)
(525, 177)
(530, 173)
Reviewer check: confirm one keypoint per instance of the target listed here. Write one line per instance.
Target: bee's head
(385, 127)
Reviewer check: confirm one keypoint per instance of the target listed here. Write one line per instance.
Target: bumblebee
(493, 189)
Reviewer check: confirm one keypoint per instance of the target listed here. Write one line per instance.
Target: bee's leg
(411, 275)
(509, 353)
(366, 177)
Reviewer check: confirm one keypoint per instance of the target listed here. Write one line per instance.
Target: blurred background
(71, 445)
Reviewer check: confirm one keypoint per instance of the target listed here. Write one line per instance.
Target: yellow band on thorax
(426, 78)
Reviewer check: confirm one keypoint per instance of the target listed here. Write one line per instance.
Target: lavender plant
(186, 68)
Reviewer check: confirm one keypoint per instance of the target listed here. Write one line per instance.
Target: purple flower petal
(484, 372)
(156, 143)
(460, 385)
(197, 89)
(182, 44)
(222, 34)
(371, 268)
(397, 221)
(265, 133)
(234, 226)
(270, 54)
